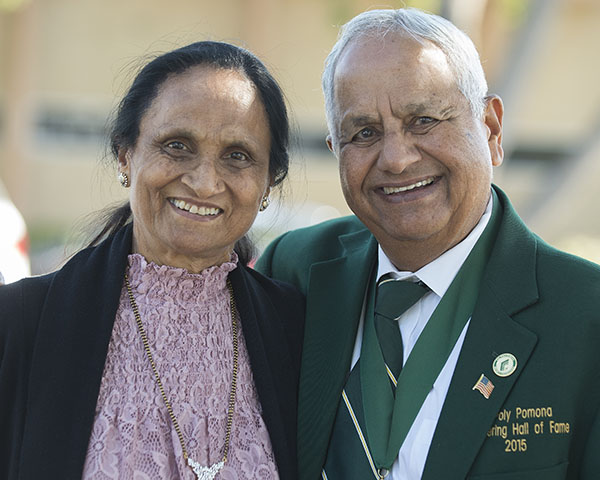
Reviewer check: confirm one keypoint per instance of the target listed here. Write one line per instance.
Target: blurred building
(63, 64)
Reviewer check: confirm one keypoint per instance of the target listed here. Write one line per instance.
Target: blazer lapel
(509, 286)
(68, 359)
(271, 366)
(467, 415)
(335, 296)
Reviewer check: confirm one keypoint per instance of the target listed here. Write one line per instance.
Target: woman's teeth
(194, 208)
(390, 190)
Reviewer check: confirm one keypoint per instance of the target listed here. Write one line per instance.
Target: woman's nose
(204, 177)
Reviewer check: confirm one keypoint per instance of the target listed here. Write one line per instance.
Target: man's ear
(492, 117)
(329, 141)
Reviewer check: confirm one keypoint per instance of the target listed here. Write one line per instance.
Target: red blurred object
(14, 241)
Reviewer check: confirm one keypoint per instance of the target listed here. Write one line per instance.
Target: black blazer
(54, 335)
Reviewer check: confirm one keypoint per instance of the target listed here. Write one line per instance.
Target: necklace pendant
(205, 473)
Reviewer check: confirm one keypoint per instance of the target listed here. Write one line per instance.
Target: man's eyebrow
(416, 108)
(357, 120)
(420, 109)
(447, 110)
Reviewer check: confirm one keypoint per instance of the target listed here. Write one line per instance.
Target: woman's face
(199, 168)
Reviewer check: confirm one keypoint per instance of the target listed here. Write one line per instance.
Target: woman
(156, 353)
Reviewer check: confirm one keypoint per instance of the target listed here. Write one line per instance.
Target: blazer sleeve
(21, 304)
(590, 469)
(272, 318)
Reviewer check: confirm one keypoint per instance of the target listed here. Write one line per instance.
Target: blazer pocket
(557, 472)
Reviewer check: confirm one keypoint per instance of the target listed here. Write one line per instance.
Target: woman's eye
(239, 156)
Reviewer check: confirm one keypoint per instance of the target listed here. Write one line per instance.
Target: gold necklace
(202, 472)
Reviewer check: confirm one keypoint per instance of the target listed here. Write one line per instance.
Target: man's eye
(364, 134)
(424, 121)
(176, 145)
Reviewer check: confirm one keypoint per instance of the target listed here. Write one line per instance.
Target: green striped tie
(348, 456)
(394, 297)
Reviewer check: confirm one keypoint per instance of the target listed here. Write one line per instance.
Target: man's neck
(412, 255)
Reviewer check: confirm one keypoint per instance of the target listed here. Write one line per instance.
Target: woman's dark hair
(145, 87)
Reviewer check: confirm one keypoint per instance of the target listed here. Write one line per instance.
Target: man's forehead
(413, 76)
(377, 51)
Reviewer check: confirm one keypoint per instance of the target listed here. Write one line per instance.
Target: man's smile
(422, 183)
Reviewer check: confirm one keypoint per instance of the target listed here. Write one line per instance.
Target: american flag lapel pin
(484, 385)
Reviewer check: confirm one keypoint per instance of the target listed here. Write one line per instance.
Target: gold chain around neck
(166, 401)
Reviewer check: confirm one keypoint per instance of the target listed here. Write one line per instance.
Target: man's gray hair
(458, 48)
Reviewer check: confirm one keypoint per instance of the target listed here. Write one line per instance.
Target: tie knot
(394, 297)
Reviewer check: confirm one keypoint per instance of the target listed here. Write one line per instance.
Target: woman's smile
(196, 210)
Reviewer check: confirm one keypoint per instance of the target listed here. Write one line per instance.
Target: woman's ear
(124, 168)
(123, 160)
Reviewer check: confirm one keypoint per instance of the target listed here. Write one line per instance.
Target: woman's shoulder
(27, 292)
(24, 300)
(26, 296)
(21, 304)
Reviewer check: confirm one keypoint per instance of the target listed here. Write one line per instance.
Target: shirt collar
(439, 273)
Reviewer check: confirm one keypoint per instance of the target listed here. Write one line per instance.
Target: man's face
(415, 162)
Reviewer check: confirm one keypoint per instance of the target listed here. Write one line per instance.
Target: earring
(123, 179)
(264, 204)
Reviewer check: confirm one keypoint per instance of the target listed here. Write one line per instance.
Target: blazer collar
(68, 359)
(509, 286)
(335, 296)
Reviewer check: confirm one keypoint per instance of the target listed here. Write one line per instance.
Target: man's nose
(204, 177)
(399, 150)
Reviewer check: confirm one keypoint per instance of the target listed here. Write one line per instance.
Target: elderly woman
(156, 353)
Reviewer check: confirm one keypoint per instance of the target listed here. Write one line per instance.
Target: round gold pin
(505, 364)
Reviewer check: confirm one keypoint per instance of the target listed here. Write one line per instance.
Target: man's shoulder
(290, 256)
(566, 269)
(321, 237)
(328, 229)
(319, 242)
(555, 268)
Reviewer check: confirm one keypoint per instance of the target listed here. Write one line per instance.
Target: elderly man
(443, 339)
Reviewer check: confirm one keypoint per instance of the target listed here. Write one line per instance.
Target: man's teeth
(194, 208)
(390, 190)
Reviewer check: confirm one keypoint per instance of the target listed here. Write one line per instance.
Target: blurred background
(65, 63)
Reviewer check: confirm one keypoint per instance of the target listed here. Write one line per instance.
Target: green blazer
(540, 304)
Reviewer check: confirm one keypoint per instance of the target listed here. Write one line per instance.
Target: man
(498, 357)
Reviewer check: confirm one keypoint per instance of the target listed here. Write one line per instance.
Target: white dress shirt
(438, 276)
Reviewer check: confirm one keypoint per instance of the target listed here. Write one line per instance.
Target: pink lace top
(188, 323)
